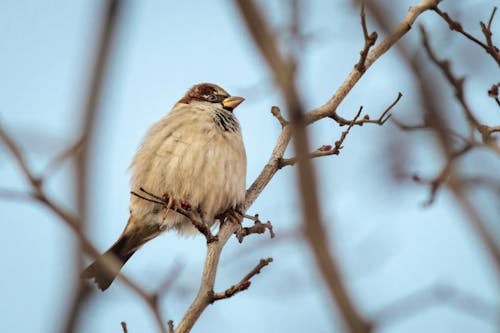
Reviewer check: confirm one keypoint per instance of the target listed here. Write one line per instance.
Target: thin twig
(457, 83)
(441, 178)
(257, 228)
(244, 282)
(456, 26)
(277, 113)
(172, 276)
(67, 153)
(370, 40)
(170, 325)
(328, 150)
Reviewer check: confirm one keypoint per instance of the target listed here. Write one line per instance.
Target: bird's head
(211, 93)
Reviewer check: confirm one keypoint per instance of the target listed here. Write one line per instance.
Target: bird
(194, 156)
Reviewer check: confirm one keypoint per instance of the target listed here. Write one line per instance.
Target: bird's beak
(232, 102)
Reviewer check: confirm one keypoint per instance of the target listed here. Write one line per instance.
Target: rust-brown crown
(212, 93)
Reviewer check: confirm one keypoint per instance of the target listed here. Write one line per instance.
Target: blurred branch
(456, 83)
(66, 154)
(81, 150)
(457, 187)
(284, 76)
(443, 175)
(489, 47)
(74, 222)
(422, 300)
(493, 93)
(124, 327)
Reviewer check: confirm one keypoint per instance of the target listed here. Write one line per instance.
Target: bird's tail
(105, 269)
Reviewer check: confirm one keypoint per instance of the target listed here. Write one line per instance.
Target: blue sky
(387, 244)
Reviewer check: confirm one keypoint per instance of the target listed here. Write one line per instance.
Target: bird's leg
(235, 217)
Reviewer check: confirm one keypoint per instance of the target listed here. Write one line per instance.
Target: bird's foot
(174, 204)
(234, 216)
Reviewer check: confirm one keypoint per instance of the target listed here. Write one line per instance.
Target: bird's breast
(199, 158)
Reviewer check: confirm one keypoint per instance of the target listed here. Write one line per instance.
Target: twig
(330, 107)
(244, 283)
(493, 93)
(277, 113)
(443, 175)
(257, 228)
(459, 191)
(62, 157)
(313, 226)
(15, 195)
(170, 325)
(457, 83)
(124, 327)
(406, 127)
(172, 276)
(325, 150)
(19, 158)
(328, 150)
(456, 26)
(370, 40)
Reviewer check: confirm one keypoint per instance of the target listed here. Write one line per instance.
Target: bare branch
(170, 325)
(69, 152)
(244, 284)
(19, 158)
(493, 93)
(443, 175)
(124, 327)
(257, 228)
(205, 292)
(8, 194)
(277, 113)
(329, 109)
(327, 150)
(284, 77)
(172, 276)
(457, 83)
(370, 40)
(456, 26)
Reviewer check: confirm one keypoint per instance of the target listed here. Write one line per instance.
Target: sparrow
(194, 155)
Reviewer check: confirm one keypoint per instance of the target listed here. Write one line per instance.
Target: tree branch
(244, 283)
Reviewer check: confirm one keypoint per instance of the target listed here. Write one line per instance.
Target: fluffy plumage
(195, 153)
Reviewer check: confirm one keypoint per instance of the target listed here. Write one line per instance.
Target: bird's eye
(212, 98)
